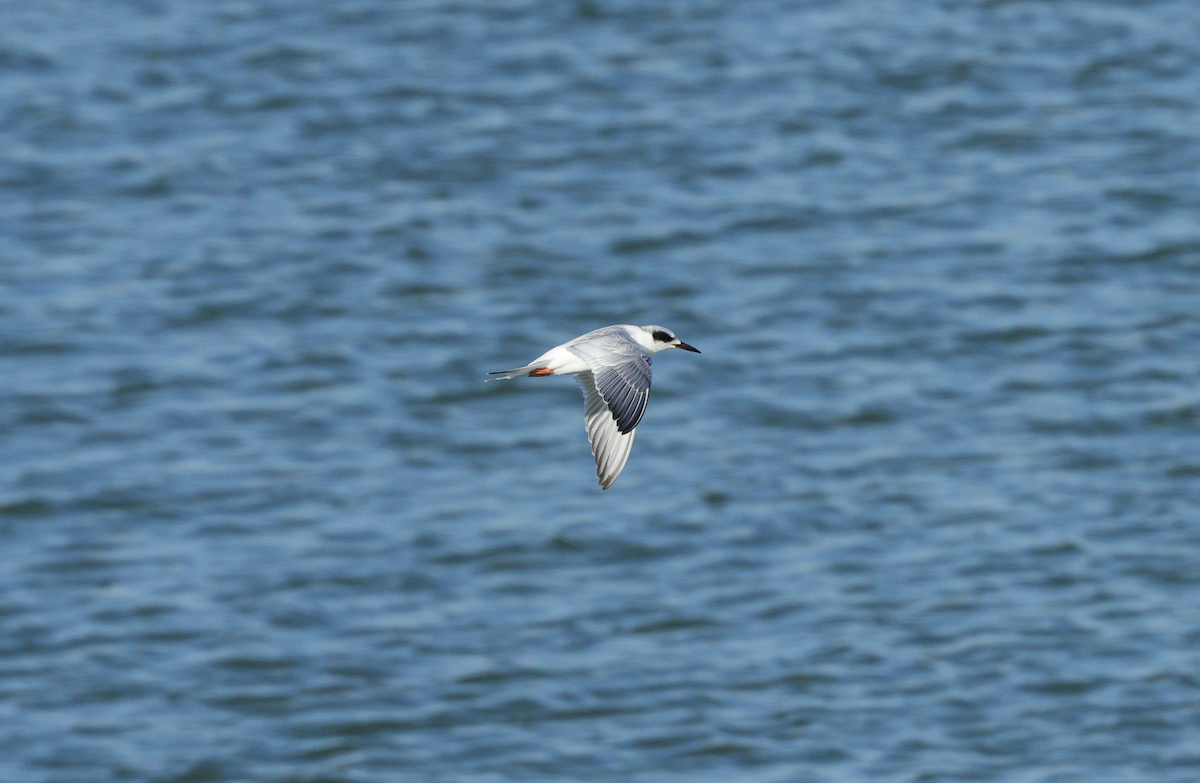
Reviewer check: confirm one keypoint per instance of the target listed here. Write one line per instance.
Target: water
(924, 510)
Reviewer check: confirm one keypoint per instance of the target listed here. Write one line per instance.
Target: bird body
(612, 367)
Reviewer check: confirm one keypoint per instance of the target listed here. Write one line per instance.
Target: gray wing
(621, 374)
(610, 446)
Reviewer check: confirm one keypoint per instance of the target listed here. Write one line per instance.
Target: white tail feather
(516, 372)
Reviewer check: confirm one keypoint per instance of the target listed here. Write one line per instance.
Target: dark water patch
(1085, 426)
(646, 244)
(17, 58)
(151, 186)
(212, 313)
(868, 417)
(178, 636)
(1008, 336)
(262, 705)
(1010, 141)
(1144, 198)
(1057, 549)
(666, 741)
(367, 727)
(205, 771)
(730, 171)
(13, 345)
(303, 386)
(151, 612)
(1087, 461)
(257, 664)
(1163, 61)
(1177, 417)
(418, 291)
(503, 676)
(504, 552)
(280, 102)
(1063, 687)
(123, 500)
(48, 415)
(85, 564)
(131, 384)
(1186, 253)
(27, 508)
(284, 59)
(742, 752)
(1170, 573)
(613, 550)
(774, 416)
(921, 75)
(822, 158)
(20, 175)
(673, 624)
(795, 220)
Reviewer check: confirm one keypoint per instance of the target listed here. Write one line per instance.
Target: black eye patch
(662, 337)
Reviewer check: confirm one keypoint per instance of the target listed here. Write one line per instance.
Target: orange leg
(541, 372)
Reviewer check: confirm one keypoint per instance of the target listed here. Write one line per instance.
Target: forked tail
(517, 372)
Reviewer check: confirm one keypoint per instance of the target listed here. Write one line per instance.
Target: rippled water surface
(925, 509)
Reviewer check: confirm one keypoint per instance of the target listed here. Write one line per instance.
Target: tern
(612, 367)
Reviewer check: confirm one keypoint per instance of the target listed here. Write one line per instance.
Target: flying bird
(612, 367)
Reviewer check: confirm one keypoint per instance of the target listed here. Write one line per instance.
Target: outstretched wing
(615, 392)
(621, 374)
(610, 446)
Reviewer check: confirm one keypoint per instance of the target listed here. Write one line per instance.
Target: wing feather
(615, 392)
(621, 374)
(610, 446)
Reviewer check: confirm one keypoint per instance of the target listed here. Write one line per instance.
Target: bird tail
(516, 372)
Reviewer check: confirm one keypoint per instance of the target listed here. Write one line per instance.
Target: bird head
(662, 338)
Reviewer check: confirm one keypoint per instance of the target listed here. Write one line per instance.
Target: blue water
(925, 509)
